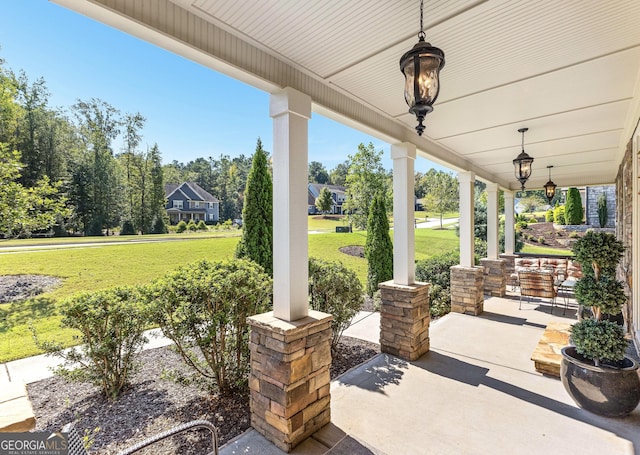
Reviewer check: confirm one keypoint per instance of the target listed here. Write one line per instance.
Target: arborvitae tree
(573, 207)
(257, 215)
(378, 248)
(603, 215)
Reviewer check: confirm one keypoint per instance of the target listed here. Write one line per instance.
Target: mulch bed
(152, 404)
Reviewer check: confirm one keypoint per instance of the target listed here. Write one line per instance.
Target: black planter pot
(606, 390)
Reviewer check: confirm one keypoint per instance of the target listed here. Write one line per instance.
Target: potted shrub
(594, 370)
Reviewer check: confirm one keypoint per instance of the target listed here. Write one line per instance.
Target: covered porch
(569, 72)
(475, 392)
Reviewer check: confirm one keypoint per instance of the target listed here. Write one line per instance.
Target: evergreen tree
(378, 248)
(257, 215)
(603, 215)
(573, 207)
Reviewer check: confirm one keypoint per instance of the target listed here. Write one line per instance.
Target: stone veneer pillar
(289, 380)
(495, 279)
(467, 290)
(404, 319)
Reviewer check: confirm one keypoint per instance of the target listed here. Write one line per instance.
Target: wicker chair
(77, 448)
(537, 284)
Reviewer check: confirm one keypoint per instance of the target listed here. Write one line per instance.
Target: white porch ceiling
(566, 69)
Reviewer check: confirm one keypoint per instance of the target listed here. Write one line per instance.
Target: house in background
(189, 201)
(338, 194)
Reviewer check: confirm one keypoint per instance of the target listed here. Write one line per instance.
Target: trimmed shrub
(548, 216)
(558, 215)
(541, 240)
(202, 226)
(599, 339)
(378, 248)
(203, 308)
(94, 229)
(191, 225)
(158, 226)
(127, 228)
(111, 324)
(334, 289)
(573, 207)
(181, 227)
(603, 216)
(437, 271)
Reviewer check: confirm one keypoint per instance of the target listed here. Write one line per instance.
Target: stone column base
(467, 290)
(289, 379)
(495, 282)
(404, 319)
(510, 268)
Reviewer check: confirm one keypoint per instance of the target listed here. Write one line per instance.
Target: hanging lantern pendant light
(421, 68)
(549, 187)
(523, 162)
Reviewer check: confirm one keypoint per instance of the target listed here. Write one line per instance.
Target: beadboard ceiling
(566, 69)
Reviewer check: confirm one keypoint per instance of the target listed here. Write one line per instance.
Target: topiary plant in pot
(595, 371)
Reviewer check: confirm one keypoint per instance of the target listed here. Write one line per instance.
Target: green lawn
(320, 223)
(98, 267)
(545, 250)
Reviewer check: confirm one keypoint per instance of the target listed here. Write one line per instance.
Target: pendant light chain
(421, 35)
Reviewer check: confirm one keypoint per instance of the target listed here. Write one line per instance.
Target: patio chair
(537, 284)
(77, 448)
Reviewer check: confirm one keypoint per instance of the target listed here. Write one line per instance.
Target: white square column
(467, 237)
(404, 269)
(291, 111)
(509, 223)
(492, 221)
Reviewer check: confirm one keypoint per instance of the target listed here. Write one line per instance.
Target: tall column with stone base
(291, 346)
(289, 378)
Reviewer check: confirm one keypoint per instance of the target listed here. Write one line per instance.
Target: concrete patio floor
(475, 392)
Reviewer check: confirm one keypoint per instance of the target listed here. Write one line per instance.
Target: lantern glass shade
(522, 166)
(421, 68)
(550, 190)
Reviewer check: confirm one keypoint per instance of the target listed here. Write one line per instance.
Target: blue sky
(191, 111)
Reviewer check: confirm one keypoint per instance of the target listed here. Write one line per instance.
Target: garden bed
(154, 403)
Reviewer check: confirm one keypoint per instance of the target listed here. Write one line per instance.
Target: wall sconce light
(421, 68)
(523, 162)
(550, 187)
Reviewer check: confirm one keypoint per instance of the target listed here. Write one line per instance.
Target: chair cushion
(527, 264)
(555, 265)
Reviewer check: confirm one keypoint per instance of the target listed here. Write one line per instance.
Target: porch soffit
(567, 70)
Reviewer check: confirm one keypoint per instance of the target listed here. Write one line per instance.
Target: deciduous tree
(366, 179)
(324, 201)
(441, 192)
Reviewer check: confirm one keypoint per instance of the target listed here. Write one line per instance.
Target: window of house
(196, 204)
(178, 204)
